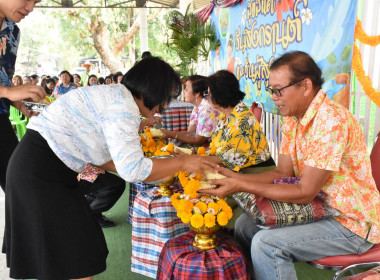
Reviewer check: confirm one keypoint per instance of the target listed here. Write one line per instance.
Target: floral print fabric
(9, 40)
(205, 118)
(239, 139)
(329, 137)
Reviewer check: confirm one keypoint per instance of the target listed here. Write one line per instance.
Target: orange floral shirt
(329, 137)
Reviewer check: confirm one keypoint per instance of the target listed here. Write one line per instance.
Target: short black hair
(63, 72)
(154, 81)
(146, 54)
(101, 81)
(34, 76)
(301, 66)
(199, 84)
(116, 75)
(225, 89)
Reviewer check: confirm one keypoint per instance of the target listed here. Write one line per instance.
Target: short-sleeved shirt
(205, 118)
(239, 139)
(61, 89)
(9, 40)
(329, 137)
(94, 125)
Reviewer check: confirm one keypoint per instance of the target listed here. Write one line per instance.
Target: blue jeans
(273, 251)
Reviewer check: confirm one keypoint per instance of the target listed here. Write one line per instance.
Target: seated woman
(238, 140)
(203, 119)
(92, 80)
(49, 86)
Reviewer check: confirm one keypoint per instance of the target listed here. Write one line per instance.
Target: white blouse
(94, 125)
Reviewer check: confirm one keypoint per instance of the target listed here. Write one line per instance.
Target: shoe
(104, 222)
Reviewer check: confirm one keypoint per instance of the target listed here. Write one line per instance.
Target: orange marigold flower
(214, 206)
(201, 151)
(227, 209)
(212, 151)
(185, 205)
(170, 148)
(148, 134)
(201, 205)
(198, 176)
(197, 220)
(209, 220)
(145, 149)
(152, 149)
(186, 217)
(222, 218)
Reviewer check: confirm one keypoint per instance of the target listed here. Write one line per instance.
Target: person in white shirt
(56, 236)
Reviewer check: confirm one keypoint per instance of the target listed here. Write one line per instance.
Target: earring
(196, 99)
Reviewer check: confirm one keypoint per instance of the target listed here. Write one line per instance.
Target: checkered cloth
(179, 259)
(155, 221)
(134, 189)
(177, 116)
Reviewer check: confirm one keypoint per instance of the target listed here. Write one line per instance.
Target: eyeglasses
(277, 91)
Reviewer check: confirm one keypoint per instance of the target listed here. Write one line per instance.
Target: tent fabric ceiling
(108, 4)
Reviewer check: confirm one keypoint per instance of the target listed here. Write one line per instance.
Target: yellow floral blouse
(239, 139)
(329, 137)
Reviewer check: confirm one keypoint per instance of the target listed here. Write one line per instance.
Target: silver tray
(34, 106)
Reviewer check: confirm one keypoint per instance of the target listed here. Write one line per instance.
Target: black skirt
(50, 231)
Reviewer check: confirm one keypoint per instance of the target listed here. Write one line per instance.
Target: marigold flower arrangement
(151, 146)
(198, 209)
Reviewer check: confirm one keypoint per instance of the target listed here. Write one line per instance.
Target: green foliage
(190, 38)
(346, 53)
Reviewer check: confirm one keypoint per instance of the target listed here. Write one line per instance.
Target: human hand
(372, 277)
(196, 164)
(152, 120)
(24, 92)
(227, 185)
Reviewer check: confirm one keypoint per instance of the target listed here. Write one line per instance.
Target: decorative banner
(256, 32)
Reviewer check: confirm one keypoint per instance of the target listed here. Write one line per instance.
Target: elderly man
(86, 74)
(12, 12)
(322, 144)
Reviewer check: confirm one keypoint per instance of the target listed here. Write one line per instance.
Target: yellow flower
(201, 151)
(186, 217)
(214, 206)
(201, 205)
(222, 218)
(185, 205)
(192, 186)
(175, 200)
(213, 151)
(209, 220)
(170, 148)
(197, 220)
(227, 209)
(149, 135)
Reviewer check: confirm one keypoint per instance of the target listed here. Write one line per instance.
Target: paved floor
(4, 271)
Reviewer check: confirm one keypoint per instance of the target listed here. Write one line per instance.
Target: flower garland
(196, 209)
(364, 37)
(357, 64)
(150, 146)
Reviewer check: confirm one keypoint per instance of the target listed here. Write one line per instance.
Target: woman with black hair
(66, 84)
(50, 230)
(203, 118)
(49, 86)
(92, 80)
(238, 140)
(117, 77)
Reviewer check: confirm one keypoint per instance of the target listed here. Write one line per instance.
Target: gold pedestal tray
(165, 189)
(164, 183)
(205, 237)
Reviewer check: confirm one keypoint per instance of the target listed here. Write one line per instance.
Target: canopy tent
(108, 4)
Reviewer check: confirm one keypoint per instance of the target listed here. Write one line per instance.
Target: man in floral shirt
(322, 144)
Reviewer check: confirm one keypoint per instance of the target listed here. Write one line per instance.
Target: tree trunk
(100, 37)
